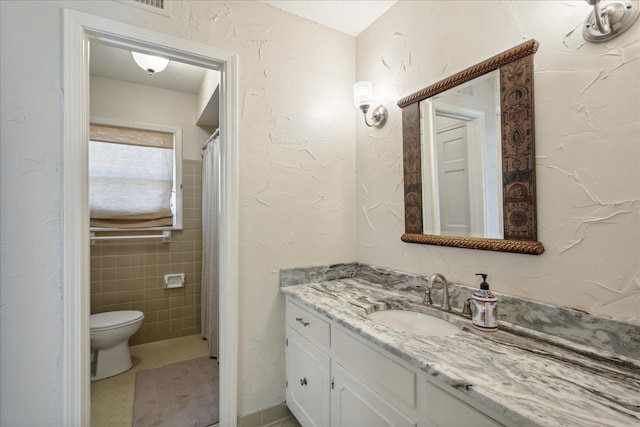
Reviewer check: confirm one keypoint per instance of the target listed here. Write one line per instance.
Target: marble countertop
(528, 377)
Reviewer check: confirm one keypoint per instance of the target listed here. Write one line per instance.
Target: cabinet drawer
(354, 404)
(444, 409)
(392, 381)
(308, 324)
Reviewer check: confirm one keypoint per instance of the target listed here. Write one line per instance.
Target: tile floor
(286, 423)
(112, 398)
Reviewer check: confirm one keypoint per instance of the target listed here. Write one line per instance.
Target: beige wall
(299, 197)
(296, 177)
(587, 148)
(129, 275)
(116, 99)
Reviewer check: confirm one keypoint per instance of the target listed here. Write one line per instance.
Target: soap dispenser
(484, 307)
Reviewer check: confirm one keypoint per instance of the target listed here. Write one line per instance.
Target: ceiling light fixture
(363, 97)
(151, 64)
(609, 19)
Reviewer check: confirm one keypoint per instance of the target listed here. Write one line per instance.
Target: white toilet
(110, 333)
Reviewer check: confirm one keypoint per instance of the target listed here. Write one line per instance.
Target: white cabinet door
(354, 404)
(308, 381)
(389, 379)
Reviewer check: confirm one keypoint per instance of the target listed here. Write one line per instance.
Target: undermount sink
(414, 322)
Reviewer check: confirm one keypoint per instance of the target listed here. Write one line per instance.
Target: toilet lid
(114, 319)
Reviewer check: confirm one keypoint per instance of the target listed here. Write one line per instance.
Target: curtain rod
(211, 138)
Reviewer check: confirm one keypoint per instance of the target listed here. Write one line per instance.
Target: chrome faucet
(427, 294)
(418, 283)
(445, 290)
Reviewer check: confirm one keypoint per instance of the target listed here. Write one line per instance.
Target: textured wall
(296, 175)
(587, 147)
(116, 99)
(129, 275)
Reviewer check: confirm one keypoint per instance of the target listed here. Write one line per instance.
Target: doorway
(79, 30)
(453, 178)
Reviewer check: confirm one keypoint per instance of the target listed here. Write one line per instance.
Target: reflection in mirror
(461, 155)
(469, 165)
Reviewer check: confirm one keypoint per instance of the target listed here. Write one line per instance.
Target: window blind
(131, 177)
(129, 136)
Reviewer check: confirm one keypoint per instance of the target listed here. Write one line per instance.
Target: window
(134, 177)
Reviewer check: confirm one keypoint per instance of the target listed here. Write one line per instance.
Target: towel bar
(165, 236)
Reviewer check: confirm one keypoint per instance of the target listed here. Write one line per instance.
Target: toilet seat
(114, 319)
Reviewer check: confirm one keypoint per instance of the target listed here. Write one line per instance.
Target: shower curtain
(210, 207)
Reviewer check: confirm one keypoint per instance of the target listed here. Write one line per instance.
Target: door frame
(79, 28)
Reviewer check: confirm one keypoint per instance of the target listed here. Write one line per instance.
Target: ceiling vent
(159, 4)
(160, 7)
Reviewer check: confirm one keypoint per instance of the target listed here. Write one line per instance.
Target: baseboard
(273, 416)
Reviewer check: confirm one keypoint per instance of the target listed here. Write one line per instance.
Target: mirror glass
(468, 145)
(462, 160)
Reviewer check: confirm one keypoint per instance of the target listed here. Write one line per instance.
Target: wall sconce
(363, 97)
(151, 64)
(609, 19)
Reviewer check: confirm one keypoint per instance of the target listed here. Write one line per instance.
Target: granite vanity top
(528, 377)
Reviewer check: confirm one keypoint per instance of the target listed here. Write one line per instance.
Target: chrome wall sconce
(363, 97)
(609, 19)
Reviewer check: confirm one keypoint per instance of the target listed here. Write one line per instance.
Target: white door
(354, 404)
(308, 379)
(453, 182)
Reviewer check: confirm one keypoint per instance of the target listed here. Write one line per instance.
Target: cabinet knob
(303, 381)
(299, 319)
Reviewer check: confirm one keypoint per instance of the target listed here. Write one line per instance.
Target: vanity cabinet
(355, 404)
(308, 379)
(443, 409)
(308, 366)
(336, 378)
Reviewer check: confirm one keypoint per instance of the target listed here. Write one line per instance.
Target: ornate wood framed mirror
(449, 200)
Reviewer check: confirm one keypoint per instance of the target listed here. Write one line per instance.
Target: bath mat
(181, 394)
